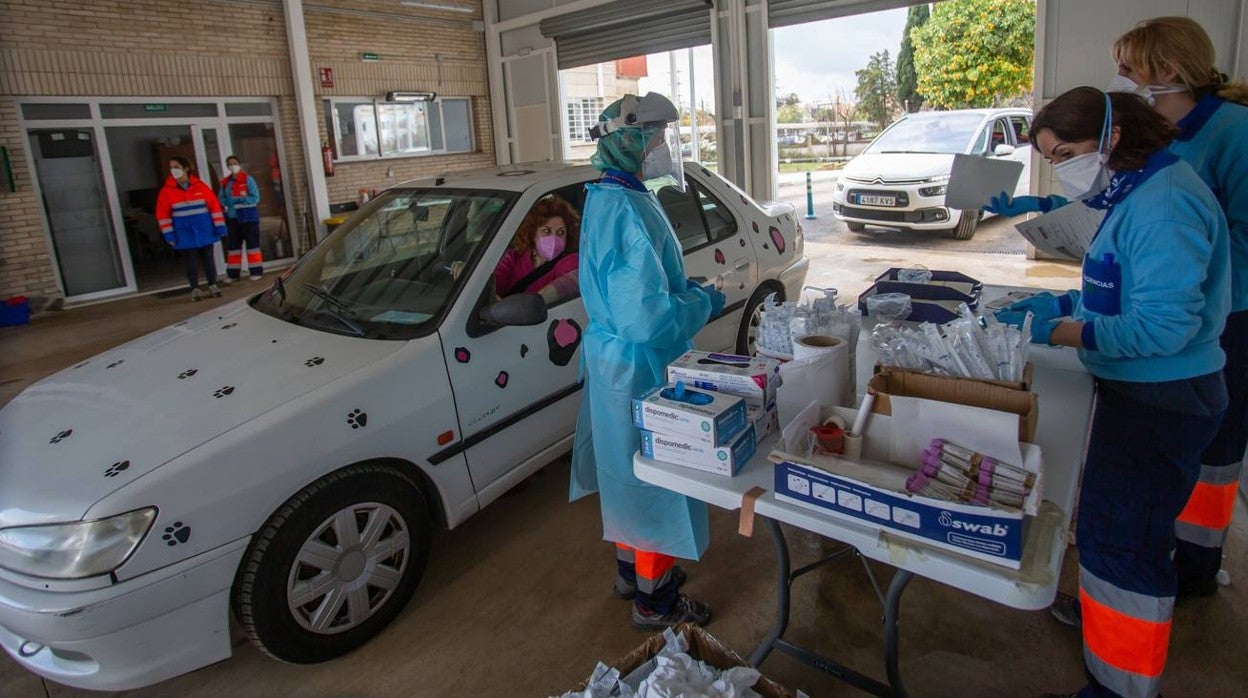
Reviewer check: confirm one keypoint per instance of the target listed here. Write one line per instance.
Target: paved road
(995, 235)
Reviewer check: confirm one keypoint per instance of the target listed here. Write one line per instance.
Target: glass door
(210, 163)
(255, 145)
(67, 165)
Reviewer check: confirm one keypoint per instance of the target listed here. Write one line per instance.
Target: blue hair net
(623, 148)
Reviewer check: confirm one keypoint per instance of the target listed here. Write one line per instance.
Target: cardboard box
(825, 484)
(715, 422)
(1024, 384)
(699, 455)
(962, 391)
(703, 647)
(754, 378)
(764, 420)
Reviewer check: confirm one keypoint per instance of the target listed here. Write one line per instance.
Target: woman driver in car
(542, 257)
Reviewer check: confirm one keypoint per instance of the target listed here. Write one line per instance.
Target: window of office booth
(365, 129)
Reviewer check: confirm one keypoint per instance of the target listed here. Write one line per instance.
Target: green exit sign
(370, 57)
(155, 107)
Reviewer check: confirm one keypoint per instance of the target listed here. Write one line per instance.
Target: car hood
(898, 166)
(69, 440)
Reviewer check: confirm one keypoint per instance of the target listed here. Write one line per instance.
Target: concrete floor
(517, 602)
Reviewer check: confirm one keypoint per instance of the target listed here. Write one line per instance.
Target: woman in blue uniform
(1170, 62)
(1156, 291)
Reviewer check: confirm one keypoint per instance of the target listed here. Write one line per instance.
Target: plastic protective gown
(641, 317)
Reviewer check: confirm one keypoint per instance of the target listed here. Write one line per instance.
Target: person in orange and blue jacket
(240, 196)
(191, 221)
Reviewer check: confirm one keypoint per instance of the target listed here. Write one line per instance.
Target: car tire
(965, 229)
(315, 535)
(750, 318)
(855, 227)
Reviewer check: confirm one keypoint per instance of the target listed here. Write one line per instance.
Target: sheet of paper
(990, 432)
(1064, 232)
(974, 180)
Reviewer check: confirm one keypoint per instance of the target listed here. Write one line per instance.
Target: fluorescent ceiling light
(445, 7)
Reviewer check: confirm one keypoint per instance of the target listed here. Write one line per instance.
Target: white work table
(1065, 392)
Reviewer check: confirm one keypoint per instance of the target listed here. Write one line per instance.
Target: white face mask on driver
(1122, 83)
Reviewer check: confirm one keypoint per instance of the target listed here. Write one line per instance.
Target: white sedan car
(899, 180)
(284, 458)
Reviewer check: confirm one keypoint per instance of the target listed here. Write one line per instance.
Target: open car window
(521, 270)
(391, 270)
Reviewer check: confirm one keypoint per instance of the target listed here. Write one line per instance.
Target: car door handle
(741, 263)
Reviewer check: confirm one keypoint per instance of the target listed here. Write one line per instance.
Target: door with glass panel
(255, 145)
(67, 165)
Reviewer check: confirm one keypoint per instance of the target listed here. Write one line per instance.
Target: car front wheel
(965, 229)
(334, 565)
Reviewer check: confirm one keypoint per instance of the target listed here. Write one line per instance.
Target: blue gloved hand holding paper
(1044, 306)
(1005, 205)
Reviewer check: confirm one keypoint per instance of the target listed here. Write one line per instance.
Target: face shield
(663, 160)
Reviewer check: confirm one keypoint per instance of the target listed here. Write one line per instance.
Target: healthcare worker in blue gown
(1147, 321)
(643, 314)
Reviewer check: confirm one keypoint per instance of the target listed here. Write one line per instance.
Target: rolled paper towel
(812, 345)
(819, 372)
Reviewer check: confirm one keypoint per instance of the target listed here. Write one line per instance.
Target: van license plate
(876, 200)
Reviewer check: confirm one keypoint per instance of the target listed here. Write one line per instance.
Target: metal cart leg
(783, 585)
(892, 607)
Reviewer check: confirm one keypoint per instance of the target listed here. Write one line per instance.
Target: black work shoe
(686, 610)
(1067, 610)
(628, 592)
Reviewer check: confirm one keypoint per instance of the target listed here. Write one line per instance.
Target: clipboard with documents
(1064, 232)
(974, 180)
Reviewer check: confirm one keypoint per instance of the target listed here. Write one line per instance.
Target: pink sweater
(516, 265)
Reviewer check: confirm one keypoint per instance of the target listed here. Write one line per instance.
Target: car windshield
(391, 269)
(937, 133)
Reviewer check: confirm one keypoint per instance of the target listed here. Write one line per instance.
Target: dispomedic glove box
(700, 455)
(753, 378)
(714, 418)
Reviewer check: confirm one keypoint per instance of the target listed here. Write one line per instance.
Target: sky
(814, 60)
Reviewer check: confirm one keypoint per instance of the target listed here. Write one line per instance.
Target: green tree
(975, 53)
(789, 100)
(907, 81)
(789, 114)
(877, 85)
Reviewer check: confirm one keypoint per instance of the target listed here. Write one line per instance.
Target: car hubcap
(751, 330)
(348, 568)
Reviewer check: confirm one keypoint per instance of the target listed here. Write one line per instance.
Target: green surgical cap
(623, 148)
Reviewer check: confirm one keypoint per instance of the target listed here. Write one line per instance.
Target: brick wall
(441, 54)
(216, 48)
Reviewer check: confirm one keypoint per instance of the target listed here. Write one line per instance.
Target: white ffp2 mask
(1083, 176)
(1122, 83)
(177, 172)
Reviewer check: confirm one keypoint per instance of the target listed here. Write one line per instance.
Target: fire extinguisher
(327, 158)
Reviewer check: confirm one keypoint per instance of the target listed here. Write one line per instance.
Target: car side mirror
(522, 309)
(1003, 150)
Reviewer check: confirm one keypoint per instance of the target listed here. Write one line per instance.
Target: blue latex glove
(1045, 306)
(1006, 316)
(1042, 331)
(718, 299)
(1003, 204)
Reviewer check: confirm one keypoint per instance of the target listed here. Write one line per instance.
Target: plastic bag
(889, 306)
(918, 274)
